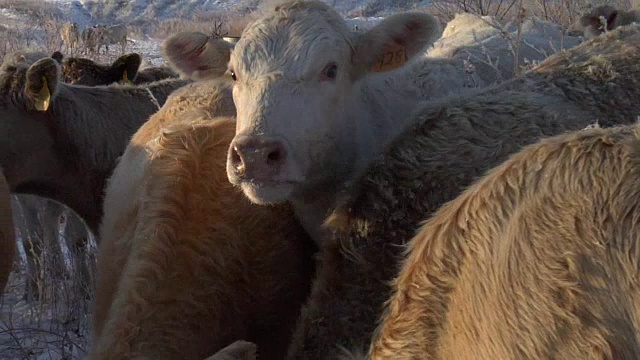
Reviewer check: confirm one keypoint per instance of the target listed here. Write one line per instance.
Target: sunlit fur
(200, 266)
(537, 260)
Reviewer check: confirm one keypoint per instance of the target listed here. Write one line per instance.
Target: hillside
(87, 12)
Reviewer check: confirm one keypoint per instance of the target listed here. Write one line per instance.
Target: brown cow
(7, 234)
(65, 139)
(190, 265)
(536, 260)
(606, 18)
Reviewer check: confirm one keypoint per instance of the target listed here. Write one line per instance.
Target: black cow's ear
(42, 83)
(127, 66)
(57, 56)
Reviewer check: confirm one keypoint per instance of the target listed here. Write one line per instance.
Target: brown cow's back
(537, 260)
(7, 235)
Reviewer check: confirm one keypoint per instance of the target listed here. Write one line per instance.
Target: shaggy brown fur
(452, 142)
(200, 265)
(7, 235)
(537, 260)
(593, 25)
(67, 151)
(208, 97)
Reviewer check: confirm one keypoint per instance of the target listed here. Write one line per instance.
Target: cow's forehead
(304, 33)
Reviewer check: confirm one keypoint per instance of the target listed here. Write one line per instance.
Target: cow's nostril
(274, 156)
(236, 160)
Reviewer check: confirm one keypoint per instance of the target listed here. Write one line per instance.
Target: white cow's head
(295, 71)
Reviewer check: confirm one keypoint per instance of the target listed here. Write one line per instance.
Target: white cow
(116, 34)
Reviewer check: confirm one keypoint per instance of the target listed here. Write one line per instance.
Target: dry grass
(46, 304)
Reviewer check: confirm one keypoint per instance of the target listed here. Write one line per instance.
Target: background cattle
(70, 35)
(490, 49)
(538, 259)
(92, 38)
(125, 69)
(606, 18)
(276, 156)
(7, 234)
(195, 265)
(86, 129)
(116, 34)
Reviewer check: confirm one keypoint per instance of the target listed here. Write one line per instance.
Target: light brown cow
(539, 259)
(7, 234)
(70, 36)
(190, 265)
(606, 18)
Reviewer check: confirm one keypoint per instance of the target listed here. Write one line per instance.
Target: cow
(83, 71)
(116, 34)
(308, 132)
(92, 38)
(7, 233)
(64, 139)
(606, 18)
(489, 48)
(538, 259)
(189, 265)
(70, 36)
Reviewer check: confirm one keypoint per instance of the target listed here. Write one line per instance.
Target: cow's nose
(257, 157)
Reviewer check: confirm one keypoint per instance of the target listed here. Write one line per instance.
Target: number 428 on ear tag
(393, 57)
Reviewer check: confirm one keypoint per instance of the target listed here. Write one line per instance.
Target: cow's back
(7, 235)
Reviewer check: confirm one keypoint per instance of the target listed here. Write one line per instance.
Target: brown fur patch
(204, 267)
(538, 259)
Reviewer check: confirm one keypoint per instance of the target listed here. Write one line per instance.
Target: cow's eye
(233, 75)
(329, 72)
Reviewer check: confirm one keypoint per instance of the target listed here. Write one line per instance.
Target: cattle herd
(93, 37)
(315, 192)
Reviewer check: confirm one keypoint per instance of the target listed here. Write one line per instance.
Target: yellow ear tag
(394, 56)
(125, 79)
(43, 99)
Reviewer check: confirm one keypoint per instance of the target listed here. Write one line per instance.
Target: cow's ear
(42, 83)
(197, 56)
(127, 66)
(57, 56)
(393, 42)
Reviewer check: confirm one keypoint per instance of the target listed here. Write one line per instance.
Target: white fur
(331, 129)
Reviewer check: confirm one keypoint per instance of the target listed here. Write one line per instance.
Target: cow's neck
(90, 138)
(381, 109)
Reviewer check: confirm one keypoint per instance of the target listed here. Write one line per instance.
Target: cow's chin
(267, 194)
